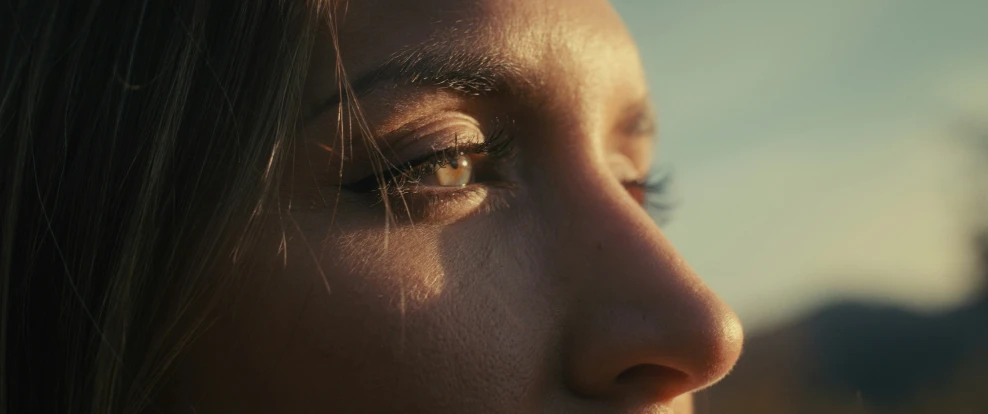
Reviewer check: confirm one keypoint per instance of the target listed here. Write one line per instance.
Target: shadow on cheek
(498, 309)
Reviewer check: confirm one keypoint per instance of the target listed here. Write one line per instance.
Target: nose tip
(640, 327)
(631, 356)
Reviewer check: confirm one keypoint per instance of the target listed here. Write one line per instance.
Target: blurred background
(830, 168)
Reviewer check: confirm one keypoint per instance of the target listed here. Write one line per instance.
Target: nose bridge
(641, 322)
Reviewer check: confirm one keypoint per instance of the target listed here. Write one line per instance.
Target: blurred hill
(856, 358)
(865, 358)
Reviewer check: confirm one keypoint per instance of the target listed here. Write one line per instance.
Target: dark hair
(139, 142)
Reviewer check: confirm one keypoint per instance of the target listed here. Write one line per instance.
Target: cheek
(427, 321)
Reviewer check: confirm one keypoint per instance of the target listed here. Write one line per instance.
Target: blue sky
(816, 145)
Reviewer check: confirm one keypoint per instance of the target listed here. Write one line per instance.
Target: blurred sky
(817, 146)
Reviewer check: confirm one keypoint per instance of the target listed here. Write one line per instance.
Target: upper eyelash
(654, 184)
(497, 145)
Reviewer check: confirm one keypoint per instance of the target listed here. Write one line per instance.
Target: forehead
(547, 39)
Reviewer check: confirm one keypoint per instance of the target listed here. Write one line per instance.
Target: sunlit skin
(529, 282)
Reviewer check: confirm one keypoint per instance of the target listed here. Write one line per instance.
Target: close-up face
(465, 230)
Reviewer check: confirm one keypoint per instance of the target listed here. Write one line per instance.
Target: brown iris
(458, 172)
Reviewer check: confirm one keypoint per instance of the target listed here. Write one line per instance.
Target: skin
(543, 287)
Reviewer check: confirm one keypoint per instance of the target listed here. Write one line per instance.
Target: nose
(642, 326)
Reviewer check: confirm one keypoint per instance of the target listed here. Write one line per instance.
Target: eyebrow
(465, 72)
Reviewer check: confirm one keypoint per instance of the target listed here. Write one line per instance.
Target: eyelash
(652, 191)
(496, 146)
(655, 191)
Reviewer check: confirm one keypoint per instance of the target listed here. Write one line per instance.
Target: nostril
(651, 373)
(655, 382)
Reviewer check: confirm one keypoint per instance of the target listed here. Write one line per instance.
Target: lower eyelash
(657, 185)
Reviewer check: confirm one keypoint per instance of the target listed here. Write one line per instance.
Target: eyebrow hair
(438, 65)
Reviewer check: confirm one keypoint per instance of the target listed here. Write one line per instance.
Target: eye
(450, 168)
(652, 193)
(457, 172)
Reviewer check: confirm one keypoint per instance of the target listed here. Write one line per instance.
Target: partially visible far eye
(458, 172)
(638, 191)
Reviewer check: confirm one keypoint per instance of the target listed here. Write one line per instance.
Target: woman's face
(519, 272)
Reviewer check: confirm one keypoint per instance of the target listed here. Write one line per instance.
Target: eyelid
(440, 126)
(623, 167)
